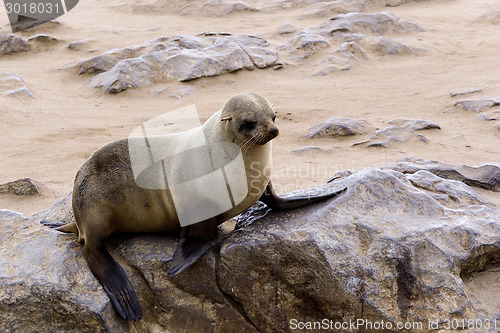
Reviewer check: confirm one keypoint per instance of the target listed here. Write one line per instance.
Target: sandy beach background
(49, 136)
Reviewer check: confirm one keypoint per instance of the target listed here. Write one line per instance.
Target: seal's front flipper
(114, 281)
(270, 198)
(196, 239)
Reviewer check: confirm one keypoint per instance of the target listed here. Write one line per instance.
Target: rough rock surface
(337, 127)
(348, 35)
(486, 176)
(181, 58)
(401, 131)
(394, 247)
(43, 273)
(13, 85)
(10, 43)
(302, 46)
(24, 186)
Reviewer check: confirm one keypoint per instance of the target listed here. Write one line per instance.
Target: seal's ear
(226, 118)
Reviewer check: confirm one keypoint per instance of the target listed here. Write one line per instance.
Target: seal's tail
(61, 226)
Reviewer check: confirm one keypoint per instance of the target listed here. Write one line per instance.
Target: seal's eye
(249, 124)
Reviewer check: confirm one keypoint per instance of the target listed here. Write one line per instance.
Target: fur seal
(107, 196)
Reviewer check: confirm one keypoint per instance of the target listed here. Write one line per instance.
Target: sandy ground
(47, 138)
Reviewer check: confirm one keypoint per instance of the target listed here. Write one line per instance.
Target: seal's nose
(274, 131)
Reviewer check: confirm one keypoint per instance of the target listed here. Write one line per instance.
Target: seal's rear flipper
(61, 226)
(52, 224)
(196, 239)
(270, 198)
(114, 281)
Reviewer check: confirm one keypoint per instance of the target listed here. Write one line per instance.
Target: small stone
(77, 45)
(22, 92)
(488, 116)
(13, 85)
(10, 43)
(286, 28)
(337, 127)
(42, 38)
(25, 186)
(466, 92)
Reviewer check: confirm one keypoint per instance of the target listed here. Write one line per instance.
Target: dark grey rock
(10, 43)
(179, 58)
(43, 273)
(385, 250)
(486, 176)
(334, 127)
(393, 247)
(24, 186)
(401, 131)
(478, 105)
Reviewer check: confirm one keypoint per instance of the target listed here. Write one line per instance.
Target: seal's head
(249, 118)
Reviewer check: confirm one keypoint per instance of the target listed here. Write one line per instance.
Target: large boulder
(180, 57)
(395, 247)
